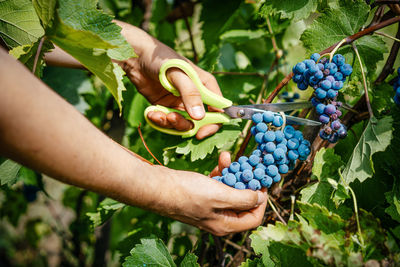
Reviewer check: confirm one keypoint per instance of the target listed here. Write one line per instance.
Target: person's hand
(143, 72)
(208, 204)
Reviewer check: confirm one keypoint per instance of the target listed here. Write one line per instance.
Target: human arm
(42, 131)
(143, 72)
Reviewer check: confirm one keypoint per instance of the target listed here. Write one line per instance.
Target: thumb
(242, 199)
(191, 97)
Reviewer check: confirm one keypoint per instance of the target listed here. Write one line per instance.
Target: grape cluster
(327, 79)
(396, 87)
(276, 154)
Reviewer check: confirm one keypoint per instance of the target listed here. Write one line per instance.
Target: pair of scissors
(210, 98)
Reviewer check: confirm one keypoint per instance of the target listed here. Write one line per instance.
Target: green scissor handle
(208, 97)
(209, 118)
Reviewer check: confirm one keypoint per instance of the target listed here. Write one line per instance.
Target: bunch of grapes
(396, 87)
(327, 79)
(277, 152)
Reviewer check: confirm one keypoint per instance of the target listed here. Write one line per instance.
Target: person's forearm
(41, 130)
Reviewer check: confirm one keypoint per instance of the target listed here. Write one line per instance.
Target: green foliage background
(348, 207)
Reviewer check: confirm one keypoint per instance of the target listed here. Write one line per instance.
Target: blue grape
(247, 175)
(320, 93)
(298, 135)
(315, 57)
(259, 137)
(283, 168)
(269, 136)
(331, 94)
(258, 173)
(257, 117)
(254, 185)
(261, 166)
(293, 154)
(320, 108)
(254, 160)
(270, 147)
(234, 167)
(279, 154)
(346, 69)
(300, 68)
(293, 143)
(330, 109)
(326, 85)
(268, 116)
(243, 159)
(338, 59)
(257, 152)
(289, 131)
(261, 127)
(225, 171)
(229, 179)
(245, 166)
(279, 136)
(268, 159)
(240, 186)
(238, 176)
(276, 178)
(272, 170)
(278, 121)
(266, 181)
(324, 118)
(282, 146)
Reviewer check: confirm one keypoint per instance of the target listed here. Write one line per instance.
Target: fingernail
(198, 112)
(261, 198)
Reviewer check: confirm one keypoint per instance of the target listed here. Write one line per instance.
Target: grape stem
(371, 114)
(292, 199)
(388, 36)
(38, 54)
(275, 210)
(355, 208)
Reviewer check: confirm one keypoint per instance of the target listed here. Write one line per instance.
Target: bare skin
(143, 72)
(42, 131)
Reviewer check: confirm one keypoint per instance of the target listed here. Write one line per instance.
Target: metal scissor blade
(243, 112)
(277, 107)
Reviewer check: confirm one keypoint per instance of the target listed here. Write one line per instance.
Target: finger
(245, 220)
(179, 122)
(223, 161)
(190, 94)
(207, 130)
(159, 118)
(238, 200)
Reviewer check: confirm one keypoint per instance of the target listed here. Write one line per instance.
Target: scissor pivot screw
(241, 113)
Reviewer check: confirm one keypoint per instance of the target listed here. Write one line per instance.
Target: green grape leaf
(45, 10)
(327, 30)
(151, 252)
(19, 24)
(216, 17)
(376, 137)
(27, 53)
(90, 36)
(241, 36)
(9, 172)
(189, 260)
(393, 198)
(291, 9)
(199, 149)
(104, 212)
(83, 16)
(320, 217)
(325, 169)
(326, 164)
(79, 83)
